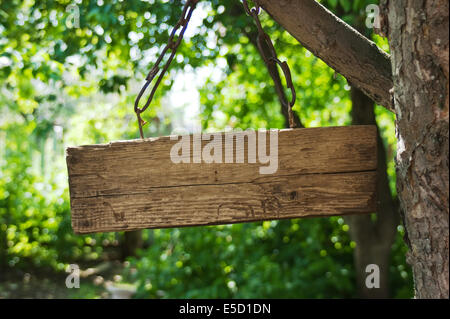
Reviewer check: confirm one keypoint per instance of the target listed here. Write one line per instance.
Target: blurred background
(69, 74)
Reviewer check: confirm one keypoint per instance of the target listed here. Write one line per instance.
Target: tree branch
(339, 45)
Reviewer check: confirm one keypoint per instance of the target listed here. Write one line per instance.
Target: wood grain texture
(134, 184)
(339, 45)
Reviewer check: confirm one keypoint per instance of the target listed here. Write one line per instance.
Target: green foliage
(277, 259)
(63, 85)
(35, 229)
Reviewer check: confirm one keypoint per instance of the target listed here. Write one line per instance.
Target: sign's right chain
(272, 58)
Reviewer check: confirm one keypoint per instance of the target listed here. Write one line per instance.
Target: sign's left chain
(172, 45)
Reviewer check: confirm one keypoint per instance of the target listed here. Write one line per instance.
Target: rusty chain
(173, 45)
(262, 38)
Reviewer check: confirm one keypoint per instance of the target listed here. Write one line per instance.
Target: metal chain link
(173, 45)
(263, 38)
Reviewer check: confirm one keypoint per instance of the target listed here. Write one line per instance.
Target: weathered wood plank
(134, 184)
(269, 198)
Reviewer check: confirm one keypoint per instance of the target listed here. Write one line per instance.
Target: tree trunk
(373, 239)
(132, 241)
(419, 41)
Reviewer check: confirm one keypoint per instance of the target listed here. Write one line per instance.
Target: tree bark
(373, 239)
(419, 41)
(339, 45)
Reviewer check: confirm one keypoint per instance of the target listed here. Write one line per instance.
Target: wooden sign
(193, 180)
